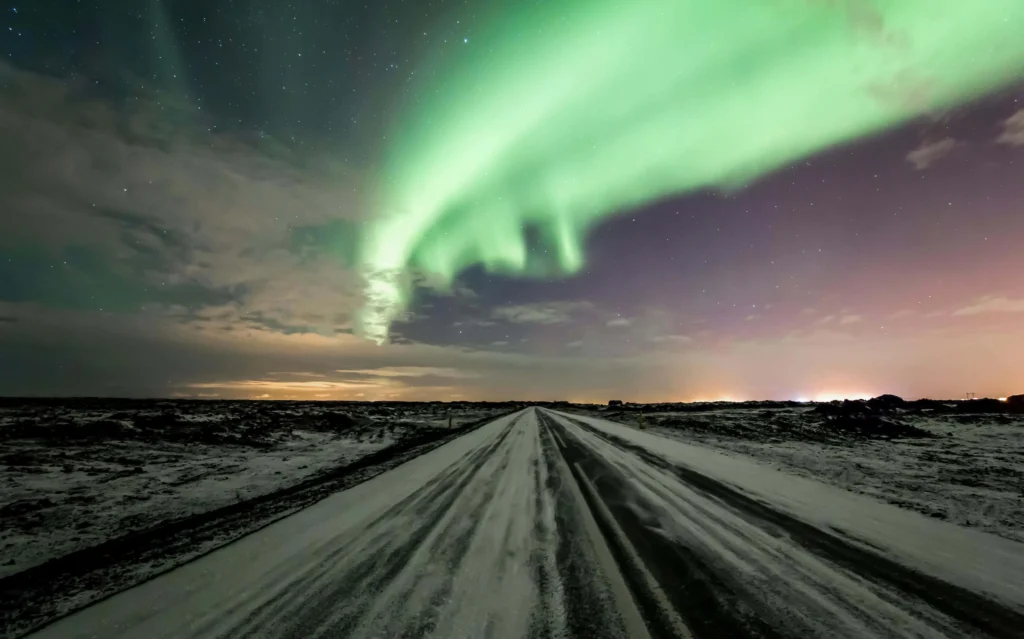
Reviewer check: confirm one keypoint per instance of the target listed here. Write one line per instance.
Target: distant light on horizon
(1002, 399)
(822, 396)
(832, 396)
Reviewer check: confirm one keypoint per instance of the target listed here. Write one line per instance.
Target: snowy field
(669, 520)
(547, 524)
(961, 462)
(74, 474)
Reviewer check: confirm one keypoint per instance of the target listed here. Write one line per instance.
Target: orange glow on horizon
(821, 396)
(831, 396)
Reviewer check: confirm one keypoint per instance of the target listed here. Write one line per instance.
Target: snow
(472, 539)
(132, 485)
(73, 475)
(979, 561)
(447, 542)
(971, 473)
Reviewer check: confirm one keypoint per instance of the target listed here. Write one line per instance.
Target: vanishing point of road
(545, 524)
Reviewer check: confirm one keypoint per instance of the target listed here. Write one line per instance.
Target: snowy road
(542, 524)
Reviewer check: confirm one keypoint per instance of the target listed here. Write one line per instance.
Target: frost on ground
(76, 473)
(962, 462)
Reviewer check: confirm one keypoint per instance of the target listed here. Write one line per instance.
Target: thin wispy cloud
(931, 152)
(549, 313)
(991, 304)
(1013, 130)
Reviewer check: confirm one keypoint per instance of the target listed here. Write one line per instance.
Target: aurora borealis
(582, 109)
(648, 200)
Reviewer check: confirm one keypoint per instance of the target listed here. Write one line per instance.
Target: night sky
(584, 200)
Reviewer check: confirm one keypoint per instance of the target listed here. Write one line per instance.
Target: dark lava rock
(882, 404)
(845, 408)
(886, 402)
(922, 406)
(156, 421)
(25, 506)
(1015, 403)
(339, 421)
(334, 421)
(873, 427)
(983, 406)
(872, 419)
(20, 459)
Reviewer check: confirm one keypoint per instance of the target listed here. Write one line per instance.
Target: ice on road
(543, 524)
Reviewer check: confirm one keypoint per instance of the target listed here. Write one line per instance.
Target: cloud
(159, 209)
(1013, 130)
(413, 371)
(930, 152)
(545, 313)
(619, 322)
(155, 354)
(850, 319)
(674, 339)
(228, 259)
(472, 321)
(266, 384)
(991, 304)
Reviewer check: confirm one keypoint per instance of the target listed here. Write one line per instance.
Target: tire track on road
(589, 533)
(315, 602)
(717, 599)
(588, 601)
(448, 545)
(639, 597)
(386, 556)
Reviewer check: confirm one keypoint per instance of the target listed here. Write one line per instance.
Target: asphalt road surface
(542, 524)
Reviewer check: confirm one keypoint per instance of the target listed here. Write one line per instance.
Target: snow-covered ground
(724, 521)
(75, 474)
(969, 472)
(455, 543)
(68, 500)
(717, 524)
(543, 524)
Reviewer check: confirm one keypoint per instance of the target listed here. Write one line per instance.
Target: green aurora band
(559, 114)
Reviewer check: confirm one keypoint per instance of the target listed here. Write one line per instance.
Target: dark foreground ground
(538, 524)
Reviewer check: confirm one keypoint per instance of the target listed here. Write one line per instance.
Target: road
(543, 524)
